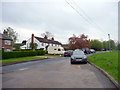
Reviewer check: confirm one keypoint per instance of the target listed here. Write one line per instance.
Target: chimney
(5, 33)
(45, 37)
(52, 38)
(32, 38)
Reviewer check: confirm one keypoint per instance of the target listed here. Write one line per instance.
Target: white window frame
(7, 42)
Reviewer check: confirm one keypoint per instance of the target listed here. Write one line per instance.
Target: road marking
(23, 69)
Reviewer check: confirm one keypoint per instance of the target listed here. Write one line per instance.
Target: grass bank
(108, 61)
(18, 60)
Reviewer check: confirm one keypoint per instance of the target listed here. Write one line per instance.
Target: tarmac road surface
(54, 73)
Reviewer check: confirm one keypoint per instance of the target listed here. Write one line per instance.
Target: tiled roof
(2, 36)
(47, 40)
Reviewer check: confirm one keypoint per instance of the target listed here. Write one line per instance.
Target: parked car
(104, 50)
(56, 50)
(92, 51)
(77, 50)
(83, 49)
(86, 50)
(68, 53)
(78, 57)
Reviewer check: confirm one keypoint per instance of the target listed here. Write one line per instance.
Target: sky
(95, 18)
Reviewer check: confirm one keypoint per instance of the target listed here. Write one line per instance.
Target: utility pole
(109, 41)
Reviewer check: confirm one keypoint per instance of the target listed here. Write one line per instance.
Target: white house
(41, 42)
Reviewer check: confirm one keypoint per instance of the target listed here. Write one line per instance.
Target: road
(54, 73)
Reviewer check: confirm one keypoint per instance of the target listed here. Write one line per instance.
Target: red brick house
(6, 42)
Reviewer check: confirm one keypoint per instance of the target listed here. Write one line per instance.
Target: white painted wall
(39, 44)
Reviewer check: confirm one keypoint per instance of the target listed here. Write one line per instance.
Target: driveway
(54, 73)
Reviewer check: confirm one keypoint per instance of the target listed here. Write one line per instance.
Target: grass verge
(52, 55)
(107, 61)
(22, 59)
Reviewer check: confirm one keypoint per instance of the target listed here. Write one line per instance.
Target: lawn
(52, 55)
(22, 59)
(108, 61)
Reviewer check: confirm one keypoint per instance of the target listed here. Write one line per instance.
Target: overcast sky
(95, 19)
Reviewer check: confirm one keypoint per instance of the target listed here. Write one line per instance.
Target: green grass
(22, 59)
(52, 55)
(107, 61)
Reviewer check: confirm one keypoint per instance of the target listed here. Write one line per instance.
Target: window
(59, 50)
(7, 50)
(54, 49)
(7, 42)
(63, 50)
(42, 44)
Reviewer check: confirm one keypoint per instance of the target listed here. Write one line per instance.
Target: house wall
(28, 43)
(7, 47)
(0, 43)
(40, 44)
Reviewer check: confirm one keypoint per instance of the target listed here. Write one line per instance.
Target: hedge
(16, 54)
(28, 49)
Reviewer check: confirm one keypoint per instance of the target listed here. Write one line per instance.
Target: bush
(22, 50)
(41, 48)
(40, 52)
(28, 49)
(16, 54)
(46, 52)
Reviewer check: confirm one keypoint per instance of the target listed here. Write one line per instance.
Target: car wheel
(85, 62)
(71, 62)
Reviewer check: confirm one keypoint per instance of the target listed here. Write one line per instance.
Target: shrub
(41, 49)
(22, 50)
(29, 49)
(46, 52)
(33, 45)
(40, 52)
(16, 54)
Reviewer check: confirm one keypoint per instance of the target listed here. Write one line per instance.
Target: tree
(33, 45)
(106, 45)
(47, 35)
(96, 44)
(118, 46)
(78, 42)
(12, 34)
(17, 45)
(112, 44)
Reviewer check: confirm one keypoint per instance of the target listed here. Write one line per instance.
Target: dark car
(104, 50)
(68, 53)
(86, 50)
(78, 57)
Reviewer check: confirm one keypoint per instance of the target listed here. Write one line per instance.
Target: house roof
(4, 37)
(47, 40)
